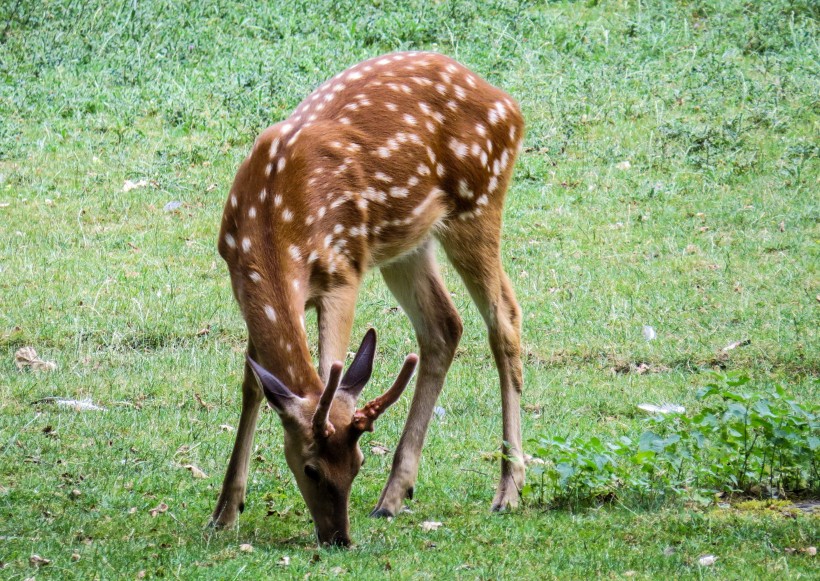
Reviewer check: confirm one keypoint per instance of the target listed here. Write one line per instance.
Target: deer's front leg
(232, 498)
(335, 318)
(417, 285)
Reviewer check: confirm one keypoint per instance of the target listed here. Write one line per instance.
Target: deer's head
(322, 434)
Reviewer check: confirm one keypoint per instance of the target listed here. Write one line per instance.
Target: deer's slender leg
(417, 285)
(335, 316)
(478, 261)
(232, 497)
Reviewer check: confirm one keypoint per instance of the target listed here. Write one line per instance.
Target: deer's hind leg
(416, 283)
(473, 247)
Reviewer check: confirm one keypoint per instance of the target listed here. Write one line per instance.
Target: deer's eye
(311, 472)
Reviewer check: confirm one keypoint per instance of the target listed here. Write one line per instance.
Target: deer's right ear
(278, 395)
(359, 372)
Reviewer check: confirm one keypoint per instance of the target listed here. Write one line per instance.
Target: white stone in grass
(707, 560)
(667, 408)
(81, 405)
(624, 165)
(430, 525)
(171, 206)
(131, 185)
(649, 333)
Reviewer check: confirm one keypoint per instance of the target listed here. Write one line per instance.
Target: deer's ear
(359, 372)
(278, 395)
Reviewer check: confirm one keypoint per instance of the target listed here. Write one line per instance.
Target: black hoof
(410, 492)
(241, 507)
(381, 513)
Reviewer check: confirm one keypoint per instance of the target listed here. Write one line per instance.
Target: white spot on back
(255, 276)
(280, 165)
(246, 244)
(274, 146)
(252, 212)
(294, 252)
(270, 313)
(287, 215)
(492, 184)
(382, 177)
(293, 139)
(460, 149)
(230, 241)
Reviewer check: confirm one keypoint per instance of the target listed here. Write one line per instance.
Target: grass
(709, 234)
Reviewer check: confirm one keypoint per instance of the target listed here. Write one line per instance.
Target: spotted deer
(371, 169)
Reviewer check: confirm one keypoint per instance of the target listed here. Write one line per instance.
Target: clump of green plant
(761, 444)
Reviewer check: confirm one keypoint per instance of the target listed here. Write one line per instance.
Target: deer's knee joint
(442, 341)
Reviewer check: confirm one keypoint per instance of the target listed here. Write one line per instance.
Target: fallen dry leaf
(246, 548)
(430, 525)
(284, 561)
(198, 399)
(529, 460)
(27, 357)
(159, 509)
(624, 165)
(37, 561)
(810, 551)
(195, 472)
(378, 450)
(736, 344)
(226, 428)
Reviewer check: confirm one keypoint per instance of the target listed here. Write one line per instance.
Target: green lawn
(670, 178)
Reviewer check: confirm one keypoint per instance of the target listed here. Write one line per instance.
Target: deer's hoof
(381, 513)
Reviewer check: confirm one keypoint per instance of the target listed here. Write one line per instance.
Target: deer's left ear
(359, 372)
(278, 395)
